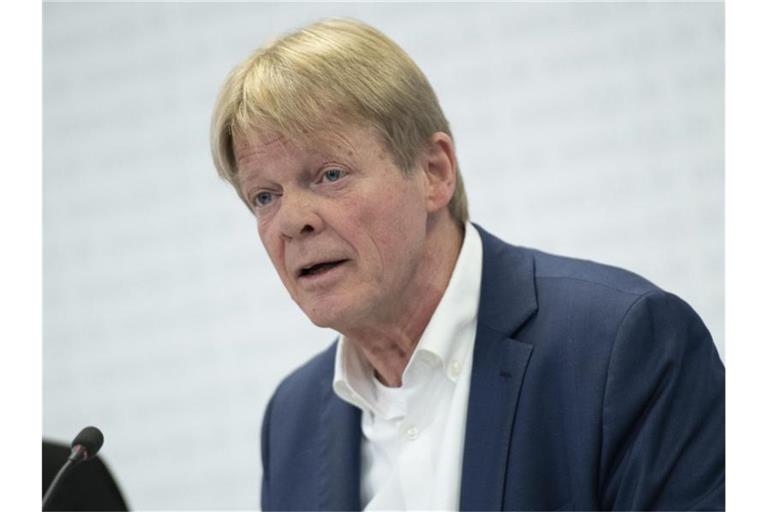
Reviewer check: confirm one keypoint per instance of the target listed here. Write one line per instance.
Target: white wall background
(592, 130)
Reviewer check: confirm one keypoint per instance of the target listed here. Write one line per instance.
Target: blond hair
(337, 69)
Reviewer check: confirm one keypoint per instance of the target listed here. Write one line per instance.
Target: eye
(333, 175)
(262, 199)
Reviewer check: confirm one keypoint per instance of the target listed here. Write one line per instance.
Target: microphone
(85, 446)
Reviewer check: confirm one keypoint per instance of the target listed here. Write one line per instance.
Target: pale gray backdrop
(592, 130)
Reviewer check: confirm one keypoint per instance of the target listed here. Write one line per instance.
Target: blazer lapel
(507, 300)
(338, 468)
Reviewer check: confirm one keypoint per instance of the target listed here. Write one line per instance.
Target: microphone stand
(79, 453)
(54, 484)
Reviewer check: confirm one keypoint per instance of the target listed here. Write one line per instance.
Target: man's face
(344, 228)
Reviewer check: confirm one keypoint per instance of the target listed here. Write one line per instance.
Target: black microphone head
(91, 439)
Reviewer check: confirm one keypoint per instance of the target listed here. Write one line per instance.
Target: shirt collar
(439, 345)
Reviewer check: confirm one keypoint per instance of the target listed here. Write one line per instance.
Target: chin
(325, 315)
(337, 313)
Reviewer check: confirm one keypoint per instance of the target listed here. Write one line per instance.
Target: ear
(439, 165)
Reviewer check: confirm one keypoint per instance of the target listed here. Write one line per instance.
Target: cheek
(388, 227)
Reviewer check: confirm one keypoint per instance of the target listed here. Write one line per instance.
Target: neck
(388, 342)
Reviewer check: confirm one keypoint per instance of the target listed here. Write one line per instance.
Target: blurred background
(592, 130)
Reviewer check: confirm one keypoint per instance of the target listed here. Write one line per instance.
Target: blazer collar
(507, 300)
(508, 289)
(338, 468)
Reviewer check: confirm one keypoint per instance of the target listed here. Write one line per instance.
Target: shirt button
(412, 433)
(455, 368)
(430, 359)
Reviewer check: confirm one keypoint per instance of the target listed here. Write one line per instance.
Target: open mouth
(320, 268)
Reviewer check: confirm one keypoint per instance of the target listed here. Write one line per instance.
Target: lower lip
(325, 277)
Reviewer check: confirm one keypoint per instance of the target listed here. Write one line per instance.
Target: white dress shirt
(413, 436)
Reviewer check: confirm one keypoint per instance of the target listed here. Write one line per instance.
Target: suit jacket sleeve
(663, 443)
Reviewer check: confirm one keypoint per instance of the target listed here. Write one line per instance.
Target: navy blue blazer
(591, 389)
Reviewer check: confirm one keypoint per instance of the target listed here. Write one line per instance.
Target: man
(469, 374)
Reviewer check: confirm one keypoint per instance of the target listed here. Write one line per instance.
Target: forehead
(259, 146)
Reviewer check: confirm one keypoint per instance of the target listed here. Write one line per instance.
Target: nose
(298, 215)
